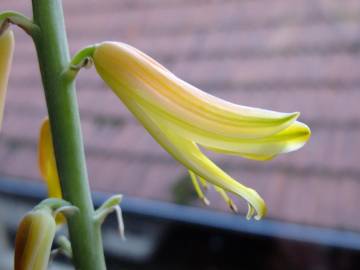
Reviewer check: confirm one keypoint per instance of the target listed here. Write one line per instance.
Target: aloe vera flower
(34, 240)
(6, 53)
(181, 118)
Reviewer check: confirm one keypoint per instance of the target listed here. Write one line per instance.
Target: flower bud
(6, 52)
(34, 240)
(47, 162)
(47, 165)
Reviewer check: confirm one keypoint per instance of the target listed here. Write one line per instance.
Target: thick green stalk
(53, 55)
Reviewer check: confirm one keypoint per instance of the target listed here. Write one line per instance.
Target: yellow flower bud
(34, 240)
(181, 117)
(47, 165)
(7, 44)
(47, 162)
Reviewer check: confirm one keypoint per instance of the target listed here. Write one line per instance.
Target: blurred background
(285, 55)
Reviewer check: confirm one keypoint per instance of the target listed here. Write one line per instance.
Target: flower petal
(7, 44)
(187, 153)
(290, 139)
(227, 199)
(127, 69)
(47, 162)
(197, 187)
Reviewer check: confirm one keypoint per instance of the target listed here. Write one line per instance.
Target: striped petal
(34, 240)
(289, 139)
(187, 153)
(181, 117)
(132, 70)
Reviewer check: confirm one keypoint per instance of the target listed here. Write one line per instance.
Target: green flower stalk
(34, 239)
(181, 118)
(7, 44)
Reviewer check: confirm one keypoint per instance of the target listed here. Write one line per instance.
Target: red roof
(288, 56)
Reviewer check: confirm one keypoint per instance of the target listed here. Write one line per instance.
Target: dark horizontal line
(166, 211)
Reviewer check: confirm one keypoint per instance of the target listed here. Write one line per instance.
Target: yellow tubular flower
(180, 117)
(34, 239)
(7, 45)
(47, 165)
(46, 161)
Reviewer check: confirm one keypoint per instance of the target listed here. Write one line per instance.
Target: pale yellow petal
(7, 44)
(145, 79)
(197, 187)
(187, 153)
(203, 183)
(227, 199)
(290, 139)
(34, 240)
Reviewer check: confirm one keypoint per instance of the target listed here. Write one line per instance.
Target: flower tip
(233, 206)
(307, 130)
(304, 131)
(205, 201)
(261, 213)
(256, 207)
(293, 116)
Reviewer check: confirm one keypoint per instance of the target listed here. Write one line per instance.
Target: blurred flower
(7, 44)
(181, 117)
(47, 165)
(34, 240)
(47, 162)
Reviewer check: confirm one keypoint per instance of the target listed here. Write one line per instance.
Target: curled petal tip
(233, 206)
(205, 201)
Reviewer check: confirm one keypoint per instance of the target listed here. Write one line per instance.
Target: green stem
(79, 61)
(18, 19)
(53, 55)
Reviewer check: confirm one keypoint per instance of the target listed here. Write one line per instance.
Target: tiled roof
(284, 55)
